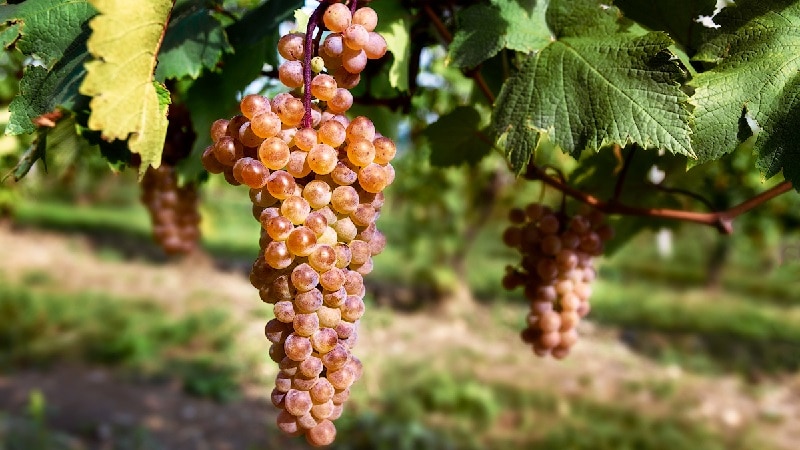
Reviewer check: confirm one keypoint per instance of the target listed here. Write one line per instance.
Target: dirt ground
(97, 405)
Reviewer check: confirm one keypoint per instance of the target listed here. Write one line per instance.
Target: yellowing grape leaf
(127, 103)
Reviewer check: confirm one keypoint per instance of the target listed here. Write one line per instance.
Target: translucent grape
(323, 87)
(332, 132)
(254, 104)
(301, 241)
(322, 159)
(341, 101)
(290, 46)
(366, 17)
(375, 47)
(290, 74)
(355, 36)
(337, 17)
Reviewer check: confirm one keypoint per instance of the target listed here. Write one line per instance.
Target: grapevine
(316, 180)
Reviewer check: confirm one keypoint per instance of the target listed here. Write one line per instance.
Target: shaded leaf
(455, 138)
(483, 30)
(194, 41)
(678, 18)
(260, 22)
(757, 76)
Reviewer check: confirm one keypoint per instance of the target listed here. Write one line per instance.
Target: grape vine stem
(722, 220)
(475, 73)
(308, 51)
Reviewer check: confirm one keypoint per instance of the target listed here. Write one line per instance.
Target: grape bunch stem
(721, 220)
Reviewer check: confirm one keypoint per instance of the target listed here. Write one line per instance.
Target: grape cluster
(173, 210)
(343, 53)
(556, 272)
(316, 180)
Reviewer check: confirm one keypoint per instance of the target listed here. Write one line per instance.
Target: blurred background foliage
(717, 307)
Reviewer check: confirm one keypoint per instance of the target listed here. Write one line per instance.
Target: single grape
(304, 278)
(341, 101)
(301, 241)
(274, 153)
(290, 74)
(317, 64)
(333, 45)
(308, 301)
(318, 194)
(354, 62)
(305, 324)
(290, 46)
(325, 339)
(298, 402)
(323, 434)
(373, 178)
(337, 17)
(375, 47)
(305, 138)
(360, 152)
(332, 132)
(298, 166)
(323, 87)
(218, 129)
(322, 159)
(343, 174)
(297, 347)
(254, 104)
(210, 161)
(366, 17)
(266, 125)
(277, 255)
(355, 37)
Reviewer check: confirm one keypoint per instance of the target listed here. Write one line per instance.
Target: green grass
(702, 329)
(661, 304)
(39, 327)
(429, 410)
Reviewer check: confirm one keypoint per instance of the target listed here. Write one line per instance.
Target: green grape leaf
(194, 41)
(213, 96)
(53, 32)
(126, 102)
(394, 24)
(456, 138)
(676, 17)
(596, 85)
(46, 28)
(483, 30)
(757, 77)
(260, 22)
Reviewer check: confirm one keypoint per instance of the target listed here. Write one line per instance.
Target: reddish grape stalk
(316, 180)
(556, 272)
